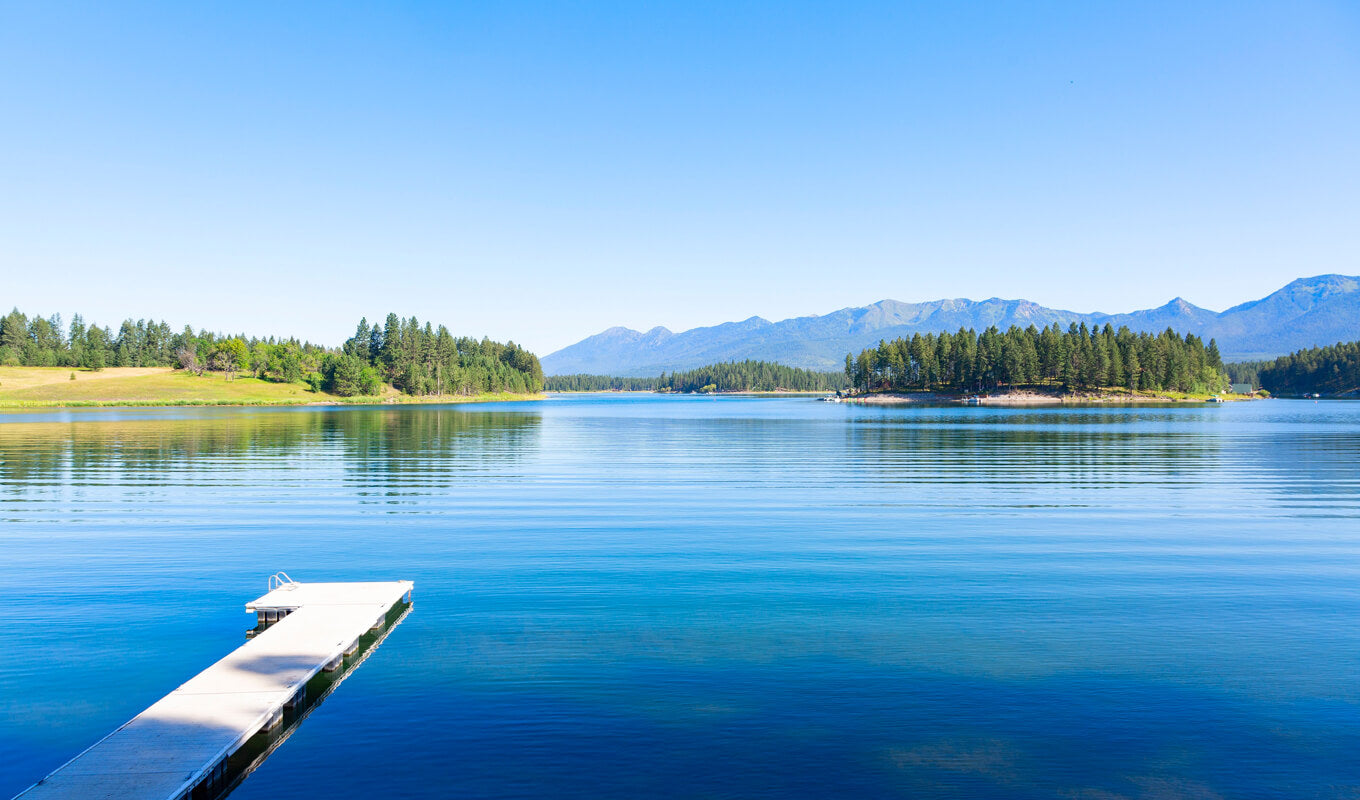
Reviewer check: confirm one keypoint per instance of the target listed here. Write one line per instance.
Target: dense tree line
(751, 376)
(1334, 369)
(424, 360)
(1076, 358)
(414, 359)
(1246, 371)
(736, 376)
(601, 383)
(46, 342)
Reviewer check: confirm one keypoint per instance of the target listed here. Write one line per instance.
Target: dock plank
(166, 750)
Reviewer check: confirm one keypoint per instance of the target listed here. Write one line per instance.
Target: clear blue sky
(543, 171)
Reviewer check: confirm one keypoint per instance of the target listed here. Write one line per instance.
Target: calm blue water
(696, 597)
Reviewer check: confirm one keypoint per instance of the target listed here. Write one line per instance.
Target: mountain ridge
(1306, 312)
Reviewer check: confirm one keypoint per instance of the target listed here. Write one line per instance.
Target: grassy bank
(52, 387)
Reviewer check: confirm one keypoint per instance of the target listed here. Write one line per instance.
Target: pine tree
(360, 344)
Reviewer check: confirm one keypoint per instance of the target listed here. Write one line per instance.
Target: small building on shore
(1241, 388)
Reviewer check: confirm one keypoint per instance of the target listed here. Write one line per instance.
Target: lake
(652, 596)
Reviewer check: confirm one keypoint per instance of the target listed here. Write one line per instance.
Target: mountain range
(1305, 313)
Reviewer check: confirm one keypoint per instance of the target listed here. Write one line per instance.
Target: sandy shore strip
(1019, 398)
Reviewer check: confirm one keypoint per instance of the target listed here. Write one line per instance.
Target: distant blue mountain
(1305, 313)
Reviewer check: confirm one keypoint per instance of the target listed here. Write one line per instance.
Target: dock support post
(261, 684)
(275, 718)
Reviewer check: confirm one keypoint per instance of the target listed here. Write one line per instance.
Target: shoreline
(492, 397)
(752, 393)
(1030, 397)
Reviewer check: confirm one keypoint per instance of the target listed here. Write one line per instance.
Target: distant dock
(198, 741)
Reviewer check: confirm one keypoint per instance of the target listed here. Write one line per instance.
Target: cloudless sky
(542, 171)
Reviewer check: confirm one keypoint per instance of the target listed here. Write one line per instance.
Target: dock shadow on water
(238, 766)
(177, 751)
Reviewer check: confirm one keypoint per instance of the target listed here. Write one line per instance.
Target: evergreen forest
(1246, 371)
(736, 376)
(415, 359)
(1331, 370)
(424, 360)
(1079, 358)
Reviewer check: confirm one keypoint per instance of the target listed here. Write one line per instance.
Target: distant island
(740, 376)
(1308, 312)
(1076, 360)
(43, 363)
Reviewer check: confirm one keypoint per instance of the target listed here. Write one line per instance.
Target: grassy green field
(29, 387)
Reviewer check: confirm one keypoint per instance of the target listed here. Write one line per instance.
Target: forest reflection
(150, 450)
(1163, 451)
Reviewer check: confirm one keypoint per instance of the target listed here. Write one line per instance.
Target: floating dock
(181, 747)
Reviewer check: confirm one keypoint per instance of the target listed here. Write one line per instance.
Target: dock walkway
(178, 748)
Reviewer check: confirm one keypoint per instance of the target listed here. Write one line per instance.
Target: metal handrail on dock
(280, 580)
(180, 746)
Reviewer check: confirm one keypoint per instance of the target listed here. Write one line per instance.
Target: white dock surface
(167, 749)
